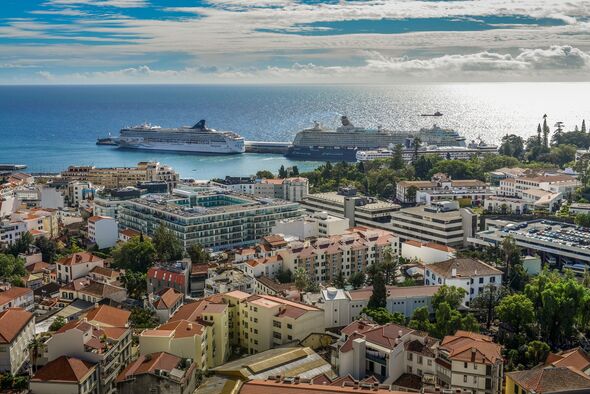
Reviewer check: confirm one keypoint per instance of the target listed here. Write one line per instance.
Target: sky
(292, 41)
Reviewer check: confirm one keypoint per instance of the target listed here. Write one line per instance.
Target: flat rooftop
(552, 232)
(334, 197)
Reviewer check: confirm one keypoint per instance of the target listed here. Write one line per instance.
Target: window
(493, 279)
(409, 369)
(429, 363)
(464, 378)
(410, 356)
(480, 280)
(475, 379)
(465, 365)
(276, 335)
(289, 326)
(419, 359)
(276, 324)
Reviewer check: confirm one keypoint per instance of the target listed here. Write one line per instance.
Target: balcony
(376, 357)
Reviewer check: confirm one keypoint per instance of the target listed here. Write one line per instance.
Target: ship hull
(185, 148)
(323, 154)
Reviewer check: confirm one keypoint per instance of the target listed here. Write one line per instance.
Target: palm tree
(36, 348)
(389, 265)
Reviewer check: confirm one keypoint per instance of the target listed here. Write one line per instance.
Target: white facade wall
(425, 254)
(14, 354)
(104, 232)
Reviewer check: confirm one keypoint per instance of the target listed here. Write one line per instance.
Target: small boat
(437, 113)
(106, 141)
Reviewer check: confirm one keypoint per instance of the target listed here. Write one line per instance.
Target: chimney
(399, 333)
(473, 352)
(453, 272)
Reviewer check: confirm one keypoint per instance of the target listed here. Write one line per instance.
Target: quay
(267, 147)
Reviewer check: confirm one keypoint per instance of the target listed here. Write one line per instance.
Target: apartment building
(515, 187)
(470, 362)
(165, 303)
(324, 257)
(261, 322)
(173, 275)
(228, 279)
(426, 252)
(342, 307)
(442, 222)
(79, 191)
(160, 371)
(290, 189)
(102, 338)
(17, 330)
(107, 202)
(76, 265)
(66, 375)
(386, 352)
(17, 297)
(347, 203)
(466, 273)
(214, 218)
(316, 224)
(87, 289)
(118, 177)
(103, 231)
(442, 188)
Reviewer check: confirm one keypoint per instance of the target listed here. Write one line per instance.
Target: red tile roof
(576, 358)
(12, 322)
(162, 274)
(14, 293)
(79, 258)
(551, 379)
(149, 364)
(272, 387)
(472, 347)
(64, 369)
(167, 298)
(109, 316)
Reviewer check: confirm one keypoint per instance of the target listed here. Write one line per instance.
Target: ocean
(50, 127)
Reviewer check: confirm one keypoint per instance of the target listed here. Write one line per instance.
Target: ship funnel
(345, 121)
(201, 125)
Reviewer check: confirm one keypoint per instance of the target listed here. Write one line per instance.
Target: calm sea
(50, 127)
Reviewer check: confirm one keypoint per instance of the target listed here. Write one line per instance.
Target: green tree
(484, 304)
(36, 349)
(447, 320)
(48, 249)
(511, 254)
(198, 254)
(383, 316)
(12, 268)
(452, 295)
(411, 194)
(378, 298)
(135, 255)
(517, 311)
(135, 283)
(339, 281)
(295, 171)
(285, 276)
(397, 160)
(421, 320)
(422, 166)
(389, 265)
(58, 323)
(168, 246)
(582, 219)
(264, 174)
(512, 145)
(546, 132)
(143, 318)
(469, 323)
(282, 172)
(357, 279)
(536, 352)
(301, 279)
(21, 245)
(562, 154)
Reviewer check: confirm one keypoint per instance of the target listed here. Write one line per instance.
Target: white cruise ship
(196, 139)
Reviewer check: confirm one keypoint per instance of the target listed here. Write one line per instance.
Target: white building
(76, 266)
(79, 191)
(66, 375)
(426, 252)
(290, 189)
(442, 188)
(315, 224)
(577, 208)
(17, 330)
(17, 297)
(469, 274)
(103, 231)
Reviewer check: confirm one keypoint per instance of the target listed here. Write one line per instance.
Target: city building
(546, 380)
(165, 303)
(426, 252)
(76, 265)
(555, 183)
(175, 275)
(105, 275)
(442, 188)
(577, 208)
(228, 279)
(347, 203)
(66, 375)
(291, 189)
(211, 217)
(442, 222)
(107, 202)
(17, 330)
(542, 199)
(102, 338)
(470, 362)
(316, 224)
(324, 258)
(161, 372)
(87, 289)
(103, 231)
(17, 297)
(508, 205)
(385, 352)
(266, 285)
(342, 307)
(198, 276)
(302, 386)
(465, 273)
(127, 234)
(118, 177)
(558, 244)
(79, 191)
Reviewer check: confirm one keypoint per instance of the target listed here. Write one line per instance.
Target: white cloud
(566, 62)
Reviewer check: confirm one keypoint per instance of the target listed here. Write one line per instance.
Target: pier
(267, 147)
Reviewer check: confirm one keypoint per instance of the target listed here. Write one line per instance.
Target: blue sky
(291, 41)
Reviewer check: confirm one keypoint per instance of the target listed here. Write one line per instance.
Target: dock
(267, 147)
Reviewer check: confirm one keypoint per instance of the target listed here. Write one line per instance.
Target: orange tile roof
(12, 322)
(36, 268)
(130, 233)
(168, 297)
(576, 358)
(551, 379)
(79, 258)
(64, 369)
(149, 364)
(94, 219)
(472, 347)
(465, 267)
(178, 329)
(13, 293)
(110, 316)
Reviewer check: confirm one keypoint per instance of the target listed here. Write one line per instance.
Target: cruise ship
(346, 140)
(196, 139)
